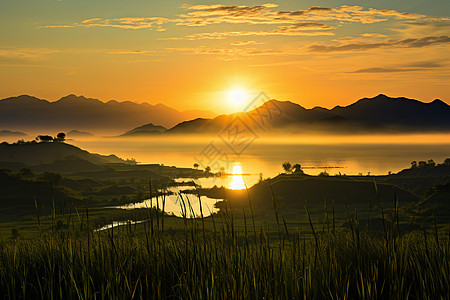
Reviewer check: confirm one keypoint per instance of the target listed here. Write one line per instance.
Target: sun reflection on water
(237, 182)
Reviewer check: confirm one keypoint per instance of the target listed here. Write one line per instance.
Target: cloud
(384, 70)
(202, 15)
(407, 67)
(405, 43)
(132, 52)
(24, 56)
(244, 43)
(425, 64)
(222, 35)
(226, 53)
(57, 26)
(298, 29)
(439, 27)
(122, 23)
(25, 52)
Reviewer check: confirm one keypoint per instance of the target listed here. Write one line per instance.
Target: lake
(350, 155)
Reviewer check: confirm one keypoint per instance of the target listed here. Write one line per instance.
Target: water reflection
(178, 204)
(357, 154)
(237, 182)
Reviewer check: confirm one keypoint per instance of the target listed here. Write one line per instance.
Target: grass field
(228, 256)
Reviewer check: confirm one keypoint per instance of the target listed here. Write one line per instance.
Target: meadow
(229, 255)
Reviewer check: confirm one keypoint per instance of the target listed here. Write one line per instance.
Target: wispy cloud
(385, 70)
(132, 52)
(406, 67)
(202, 15)
(25, 52)
(405, 43)
(279, 31)
(226, 53)
(245, 43)
(122, 23)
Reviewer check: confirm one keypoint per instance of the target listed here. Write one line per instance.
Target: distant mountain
(401, 113)
(145, 130)
(378, 114)
(28, 112)
(8, 133)
(77, 134)
(32, 153)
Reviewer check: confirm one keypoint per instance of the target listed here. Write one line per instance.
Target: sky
(192, 54)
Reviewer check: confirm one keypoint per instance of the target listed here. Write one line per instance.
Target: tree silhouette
(44, 138)
(61, 137)
(208, 169)
(324, 174)
(413, 164)
(422, 164)
(447, 162)
(196, 166)
(287, 167)
(297, 169)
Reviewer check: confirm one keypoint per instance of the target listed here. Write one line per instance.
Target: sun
(237, 97)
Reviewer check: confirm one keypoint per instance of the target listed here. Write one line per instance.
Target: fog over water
(351, 155)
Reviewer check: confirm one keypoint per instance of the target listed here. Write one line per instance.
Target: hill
(33, 153)
(368, 115)
(8, 133)
(79, 134)
(292, 192)
(145, 130)
(30, 113)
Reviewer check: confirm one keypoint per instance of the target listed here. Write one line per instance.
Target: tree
(61, 137)
(297, 169)
(287, 167)
(431, 163)
(44, 138)
(324, 174)
(222, 171)
(260, 177)
(422, 164)
(413, 164)
(196, 166)
(208, 169)
(447, 162)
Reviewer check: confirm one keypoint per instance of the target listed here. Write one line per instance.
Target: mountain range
(28, 113)
(380, 114)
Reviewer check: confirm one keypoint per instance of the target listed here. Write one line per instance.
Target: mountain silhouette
(77, 134)
(144, 130)
(27, 113)
(33, 153)
(378, 114)
(8, 133)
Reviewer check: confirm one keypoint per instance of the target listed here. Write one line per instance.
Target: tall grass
(225, 262)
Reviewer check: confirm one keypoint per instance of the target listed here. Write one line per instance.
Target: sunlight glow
(238, 182)
(237, 97)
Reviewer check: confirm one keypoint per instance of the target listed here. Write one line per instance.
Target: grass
(216, 258)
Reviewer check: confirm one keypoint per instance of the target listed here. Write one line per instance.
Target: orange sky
(190, 55)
